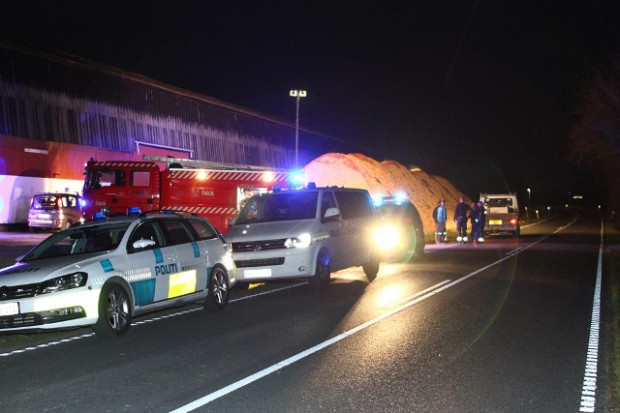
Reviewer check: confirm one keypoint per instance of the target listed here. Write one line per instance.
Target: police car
(103, 273)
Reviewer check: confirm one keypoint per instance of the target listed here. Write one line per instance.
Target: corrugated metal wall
(66, 100)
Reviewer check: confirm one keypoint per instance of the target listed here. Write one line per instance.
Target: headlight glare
(387, 237)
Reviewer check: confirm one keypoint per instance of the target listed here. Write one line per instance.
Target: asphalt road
(501, 327)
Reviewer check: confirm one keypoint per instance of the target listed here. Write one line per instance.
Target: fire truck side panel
(213, 194)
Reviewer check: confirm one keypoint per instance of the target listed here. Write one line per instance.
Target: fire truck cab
(212, 190)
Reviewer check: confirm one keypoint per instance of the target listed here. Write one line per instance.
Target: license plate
(495, 222)
(9, 309)
(44, 216)
(266, 272)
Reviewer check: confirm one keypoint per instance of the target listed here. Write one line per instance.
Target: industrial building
(57, 111)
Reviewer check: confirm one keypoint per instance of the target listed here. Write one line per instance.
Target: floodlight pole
(529, 202)
(297, 94)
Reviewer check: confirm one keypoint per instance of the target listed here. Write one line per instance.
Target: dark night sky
(481, 92)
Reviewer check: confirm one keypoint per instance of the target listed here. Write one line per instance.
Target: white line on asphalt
(284, 363)
(44, 345)
(588, 391)
(138, 323)
(429, 292)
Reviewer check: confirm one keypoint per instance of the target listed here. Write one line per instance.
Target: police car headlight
(66, 282)
(387, 237)
(302, 241)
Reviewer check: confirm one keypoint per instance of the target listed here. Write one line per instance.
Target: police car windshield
(79, 240)
(281, 206)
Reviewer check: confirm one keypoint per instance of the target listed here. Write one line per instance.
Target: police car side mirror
(143, 243)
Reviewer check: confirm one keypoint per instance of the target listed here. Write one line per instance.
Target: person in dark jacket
(477, 215)
(440, 216)
(461, 215)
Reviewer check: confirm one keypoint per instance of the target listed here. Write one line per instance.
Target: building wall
(67, 100)
(56, 112)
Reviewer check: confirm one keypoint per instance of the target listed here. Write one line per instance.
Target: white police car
(104, 272)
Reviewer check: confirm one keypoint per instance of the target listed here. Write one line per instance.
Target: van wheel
(217, 296)
(322, 274)
(114, 311)
(371, 268)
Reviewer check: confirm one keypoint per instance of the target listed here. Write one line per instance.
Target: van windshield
(281, 206)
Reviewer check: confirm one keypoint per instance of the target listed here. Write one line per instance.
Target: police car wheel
(217, 297)
(322, 274)
(371, 268)
(114, 311)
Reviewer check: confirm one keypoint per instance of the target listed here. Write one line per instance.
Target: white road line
(588, 392)
(429, 292)
(417, 298)
(138, 323)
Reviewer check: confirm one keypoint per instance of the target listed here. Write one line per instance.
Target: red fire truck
(212, 190)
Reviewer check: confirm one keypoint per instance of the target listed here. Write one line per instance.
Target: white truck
(501, 213)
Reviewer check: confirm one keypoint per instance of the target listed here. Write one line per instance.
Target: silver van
(50, 210)
(304, 233)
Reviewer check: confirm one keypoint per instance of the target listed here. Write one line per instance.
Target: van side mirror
(331, 214)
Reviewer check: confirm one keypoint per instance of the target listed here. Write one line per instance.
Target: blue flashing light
(296, 178)
(377, 200)
(400, 198)
(133, 210)
(99, 215)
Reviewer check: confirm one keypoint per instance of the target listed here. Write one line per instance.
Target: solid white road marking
(429, 292)
(588, 392)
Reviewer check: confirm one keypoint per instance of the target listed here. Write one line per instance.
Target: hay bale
(383, 179)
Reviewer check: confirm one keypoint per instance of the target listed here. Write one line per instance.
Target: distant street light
(297, 94)
(529, 202)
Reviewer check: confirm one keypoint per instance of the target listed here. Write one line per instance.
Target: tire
(371, 268)
(218, 293)
(322, 274)
(114, 311)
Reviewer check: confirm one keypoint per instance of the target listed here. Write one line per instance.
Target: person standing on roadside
(461, 215)
(477, 222)
(440, 216)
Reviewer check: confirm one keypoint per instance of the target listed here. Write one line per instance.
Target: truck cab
(116, 187)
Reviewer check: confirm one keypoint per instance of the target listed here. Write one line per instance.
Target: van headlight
(301, 241)
(66, 282)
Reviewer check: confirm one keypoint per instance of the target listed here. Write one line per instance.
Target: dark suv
(405, 237)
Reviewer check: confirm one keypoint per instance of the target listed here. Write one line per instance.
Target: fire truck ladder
(174, 163)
